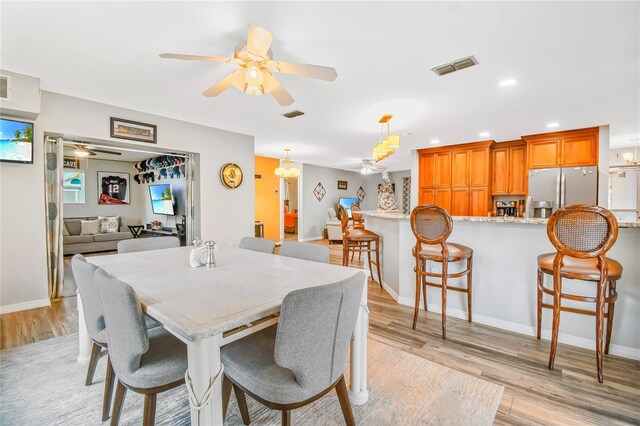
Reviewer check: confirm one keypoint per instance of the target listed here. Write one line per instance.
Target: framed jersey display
(113, 188)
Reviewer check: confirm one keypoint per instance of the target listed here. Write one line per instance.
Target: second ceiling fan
(255, 77)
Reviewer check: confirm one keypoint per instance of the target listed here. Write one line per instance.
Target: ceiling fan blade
(195, 57)
(106, 152)
(258, 41)
(273, 86)
(234, 79)
(305, 70)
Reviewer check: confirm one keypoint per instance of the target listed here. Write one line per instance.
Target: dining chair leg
(121, 392)
(93, 362)
(612, 286)
(149, 418)
(539, 311)
(353, 253)
(108, 390)
(418, 270)
(602, 286)
(226, 395)
(445, 272)
(378, 262)
(286, 417)
(242, 404)
(557, 291)
(469, 280)
(345, 252)
(343, 397)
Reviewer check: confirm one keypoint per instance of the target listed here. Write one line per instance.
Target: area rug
(42, 383)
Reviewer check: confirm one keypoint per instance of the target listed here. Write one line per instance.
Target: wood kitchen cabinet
(447, 174)
(572, 148)
(509, 175)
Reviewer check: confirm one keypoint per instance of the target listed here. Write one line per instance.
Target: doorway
(111, 183)
(291, 209)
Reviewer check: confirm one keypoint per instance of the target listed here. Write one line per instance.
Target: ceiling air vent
(293, 114)
(5, 87)
(454, 66)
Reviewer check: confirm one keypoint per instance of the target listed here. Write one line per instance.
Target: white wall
(225, 215)
(314, 214)
(24, 99)
(603, 166)
(396, 177)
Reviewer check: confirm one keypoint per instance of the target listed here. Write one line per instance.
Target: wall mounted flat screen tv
(16, 141)
(347, 203)
(162, 201)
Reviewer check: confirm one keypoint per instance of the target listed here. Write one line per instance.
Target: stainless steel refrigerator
(564, 186)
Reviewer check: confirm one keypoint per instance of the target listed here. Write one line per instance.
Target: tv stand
(159, 233)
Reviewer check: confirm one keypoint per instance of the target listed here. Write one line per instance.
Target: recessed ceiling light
(508, 82)
(552, 125)
(485, 134)
(435, 141)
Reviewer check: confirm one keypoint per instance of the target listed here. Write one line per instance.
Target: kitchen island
(505, 254)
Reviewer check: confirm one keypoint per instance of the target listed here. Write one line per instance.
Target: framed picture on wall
(113, 188)
(342, 184)
(133, 130)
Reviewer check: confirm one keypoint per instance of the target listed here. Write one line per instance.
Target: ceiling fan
(82, 150)
(366, 168)
(255, 77)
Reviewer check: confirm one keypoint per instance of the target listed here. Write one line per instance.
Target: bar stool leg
(599, 326)
(424, 286)
(612, 286)
(557, 291)
(418, 286)
(345, 252)
(445, 272)
(369, 257)
(469, 268)
(378, 262)
(540, 294)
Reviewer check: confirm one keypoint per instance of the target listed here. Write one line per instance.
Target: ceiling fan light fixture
(81, 152)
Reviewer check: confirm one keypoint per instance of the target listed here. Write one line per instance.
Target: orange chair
(582, 234)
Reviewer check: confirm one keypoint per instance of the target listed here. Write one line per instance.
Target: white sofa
(334, 227)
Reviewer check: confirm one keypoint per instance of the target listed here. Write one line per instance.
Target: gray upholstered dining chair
(303, 358)
(305, 251)
(144, 244)
(257, 244)
(83, 272)
(146, 362)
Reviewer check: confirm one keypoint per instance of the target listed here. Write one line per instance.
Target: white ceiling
(577, 63)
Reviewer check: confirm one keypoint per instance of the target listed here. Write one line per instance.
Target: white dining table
(208, 308)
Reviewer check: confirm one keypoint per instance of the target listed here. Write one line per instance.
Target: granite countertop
(485, 219)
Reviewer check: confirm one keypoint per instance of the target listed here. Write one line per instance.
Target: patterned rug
(42, 384)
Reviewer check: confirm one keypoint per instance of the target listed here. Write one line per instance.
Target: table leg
(358, 375)
(205, 367)
(84, 341)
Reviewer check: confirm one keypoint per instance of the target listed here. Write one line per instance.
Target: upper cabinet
(457, 178)
(509, 175)
(572, 148)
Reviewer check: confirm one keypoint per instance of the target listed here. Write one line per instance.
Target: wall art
(319, 192)
(133, 130)
(113, 188)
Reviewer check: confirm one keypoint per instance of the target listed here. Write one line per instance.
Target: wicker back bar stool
(582, 234)
(359, 240)
(432, 225)
(356, 216)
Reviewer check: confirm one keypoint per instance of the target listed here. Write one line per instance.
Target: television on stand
(347, 203)
(162, 200)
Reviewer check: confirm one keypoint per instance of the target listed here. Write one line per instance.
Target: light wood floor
(570, 394)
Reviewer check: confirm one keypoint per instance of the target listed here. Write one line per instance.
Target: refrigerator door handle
(563, 190)
(558, 199)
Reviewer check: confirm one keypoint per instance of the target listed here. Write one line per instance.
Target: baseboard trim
(311, 239)
(581, 342)
(6, 309)
(391, 291)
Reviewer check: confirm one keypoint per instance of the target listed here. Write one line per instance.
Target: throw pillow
(90, 227)
(65, 231)
(108, 224)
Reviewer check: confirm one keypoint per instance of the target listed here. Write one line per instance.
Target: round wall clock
(231, 175)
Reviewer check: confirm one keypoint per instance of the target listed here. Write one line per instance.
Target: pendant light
(286, 170)
(387, 146)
